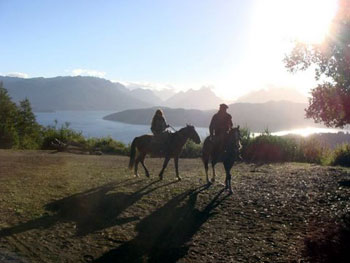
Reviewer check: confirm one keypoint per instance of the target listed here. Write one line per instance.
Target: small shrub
(64, 134)
(108, 145)
(269, 148)
(191, 150)
(341, 155)
(311, 151)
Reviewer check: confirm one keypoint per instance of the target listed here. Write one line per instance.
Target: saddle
(219, 141)
(159, 142)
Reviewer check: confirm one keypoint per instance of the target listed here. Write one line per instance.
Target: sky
(233, 46)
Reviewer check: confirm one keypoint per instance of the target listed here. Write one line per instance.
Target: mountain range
(91, 93)
(72, 93)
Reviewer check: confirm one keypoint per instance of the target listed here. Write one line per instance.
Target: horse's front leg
(228, 179)
(176, 162)
(228, 182)
(205, 162)
(214, 174)
(165, 163)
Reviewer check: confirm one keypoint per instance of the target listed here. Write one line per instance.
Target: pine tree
(8, 120)
(27, 127)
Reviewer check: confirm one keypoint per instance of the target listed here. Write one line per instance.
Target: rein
(172, 128)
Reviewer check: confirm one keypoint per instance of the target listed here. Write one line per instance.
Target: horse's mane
(185, 128)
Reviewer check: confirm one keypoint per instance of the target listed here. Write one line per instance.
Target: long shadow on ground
(93, 210)
(164, 234)
(329, 242)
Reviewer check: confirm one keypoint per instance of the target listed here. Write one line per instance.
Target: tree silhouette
(27, 127)
(330, 101)
(8, 115)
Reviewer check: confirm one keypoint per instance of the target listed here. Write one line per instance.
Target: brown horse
(172, 149)
(228, 154)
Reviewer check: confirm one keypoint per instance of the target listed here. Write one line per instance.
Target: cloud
(17, 75)
(88, 72)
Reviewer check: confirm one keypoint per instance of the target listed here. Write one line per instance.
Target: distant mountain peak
(203, 99)
(273, 94)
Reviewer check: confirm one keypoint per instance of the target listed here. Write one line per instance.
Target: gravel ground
(81, 208)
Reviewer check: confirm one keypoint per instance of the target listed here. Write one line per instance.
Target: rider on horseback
(220, 125)
(159, 124)
(158, 128)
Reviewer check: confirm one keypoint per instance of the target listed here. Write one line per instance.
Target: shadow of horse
(344, 183)
(92, 210)
(163, 236)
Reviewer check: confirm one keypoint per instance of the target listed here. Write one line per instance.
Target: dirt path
(76, 208)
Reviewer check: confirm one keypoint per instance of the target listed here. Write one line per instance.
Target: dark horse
(228, 154)
(172, 149)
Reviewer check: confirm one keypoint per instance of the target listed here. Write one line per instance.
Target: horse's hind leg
(142, 161)
(176, 162)
(137, 160)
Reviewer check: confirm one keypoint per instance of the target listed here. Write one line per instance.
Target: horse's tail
(132, 153)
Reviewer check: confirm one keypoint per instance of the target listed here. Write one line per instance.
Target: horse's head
(192, 134)
(234, 138)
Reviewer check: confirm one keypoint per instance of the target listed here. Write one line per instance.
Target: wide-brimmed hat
(223, 106)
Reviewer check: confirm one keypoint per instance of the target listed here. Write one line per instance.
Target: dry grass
(81, 208)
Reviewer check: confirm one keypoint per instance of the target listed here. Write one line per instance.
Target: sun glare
(304, 132)
(303, 20)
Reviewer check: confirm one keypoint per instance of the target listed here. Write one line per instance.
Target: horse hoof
(212, 180)
(136, 175)
(160, 177)
(148, 175)
(179, 178)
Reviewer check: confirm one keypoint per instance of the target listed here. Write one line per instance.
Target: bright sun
(303, 20)
(275, 25)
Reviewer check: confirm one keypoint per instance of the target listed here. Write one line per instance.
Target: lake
(91, 124)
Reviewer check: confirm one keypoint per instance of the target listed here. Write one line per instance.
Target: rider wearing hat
(221, 123)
